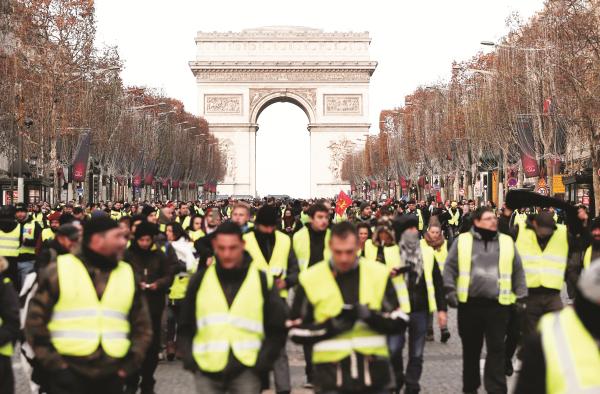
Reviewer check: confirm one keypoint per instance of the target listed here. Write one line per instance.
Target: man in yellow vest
(9, 328)
(346, 307)
(88, 323)
(311, 245)
(564, 356)
(10, 240)
(419, 284)
(232, 322)
(483, 277)
(30, 242)
(271, 250)
(544, 249)
(183, 215)
(53, 223)
(413, 210)
(241, 215)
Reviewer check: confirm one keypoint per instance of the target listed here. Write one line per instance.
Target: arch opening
(282, 148)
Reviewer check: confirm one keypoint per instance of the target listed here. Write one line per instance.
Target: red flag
(343, 202)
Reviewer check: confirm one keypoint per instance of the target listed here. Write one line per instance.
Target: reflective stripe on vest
(440, 254)
(80, 322)
(28, 234)
(9, 242)
(505, 265)
(278, 264)
(47, 234)
(543, 268)
(186, 222)
(301, 245)
(324, 294)
(587, 257)
(221, 327)
(571, 353)
(420, 216)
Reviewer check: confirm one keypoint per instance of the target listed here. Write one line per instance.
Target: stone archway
(326, 74)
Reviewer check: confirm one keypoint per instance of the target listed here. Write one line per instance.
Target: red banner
(343, 202)
(530, 165)
(165, 182)
(175, 183)
(137, 180)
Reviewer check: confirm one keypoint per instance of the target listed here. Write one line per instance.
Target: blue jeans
(417, 330)
(24, 268)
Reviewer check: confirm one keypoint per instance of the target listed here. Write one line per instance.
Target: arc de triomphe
(327, 75)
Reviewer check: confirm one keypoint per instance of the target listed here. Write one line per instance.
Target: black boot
(445, 335)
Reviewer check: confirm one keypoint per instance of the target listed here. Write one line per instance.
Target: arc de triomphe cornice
(327, 74)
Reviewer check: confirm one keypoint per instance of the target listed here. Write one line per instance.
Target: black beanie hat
(147, 210)
(98, 225)
(267, 216)
(595, 223)
(145, 228)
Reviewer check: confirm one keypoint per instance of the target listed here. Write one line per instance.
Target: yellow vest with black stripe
(47, 234)
(28, 234)
(587, 257)
(324, 294)
(222, 328)
(454, 217)
(9, 242)
(505, 267)
(543, 268)
(80, 322)
(7, 348)
(301, 245)
(572, 355)
(278, 264)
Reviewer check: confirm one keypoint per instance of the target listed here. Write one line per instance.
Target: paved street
(441, 373)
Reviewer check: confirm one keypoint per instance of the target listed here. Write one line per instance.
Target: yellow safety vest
(221, 328)
(571, 353)
(47, 234)
(186, 222)
(28, 234)
(402, 288)
(454, 217)
(39, 218)
(9, 242)
(278, 264)
(304, 217)
(440, 254)
(196, 235)
(543, 268)
(7, 348)
(115, 215)
(587, 257)
(505, 267)
(80, 322)
(301, 245)
(420, 216)
(520, 218)
(324, 294)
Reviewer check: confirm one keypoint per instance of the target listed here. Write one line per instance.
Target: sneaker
(445, 335)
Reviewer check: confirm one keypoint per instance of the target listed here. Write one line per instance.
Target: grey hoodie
(484, 270)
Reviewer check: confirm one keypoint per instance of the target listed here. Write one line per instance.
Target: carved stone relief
(256, 95)
(342, 104)
(281, 76)
(226, 104)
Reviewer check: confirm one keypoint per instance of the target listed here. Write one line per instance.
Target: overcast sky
(414, 42)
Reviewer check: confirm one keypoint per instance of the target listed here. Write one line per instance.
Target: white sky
(414, 42)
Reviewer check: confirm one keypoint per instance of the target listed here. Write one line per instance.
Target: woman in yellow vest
(195, 230)
(564, 356)
(182, 250)
(9, 328)
(434, 239)
(365, 233)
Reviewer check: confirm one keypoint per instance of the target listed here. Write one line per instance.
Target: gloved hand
(362, 311)
(452, 299)
(345, 320)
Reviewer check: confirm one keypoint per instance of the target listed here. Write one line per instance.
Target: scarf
(410, 252)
